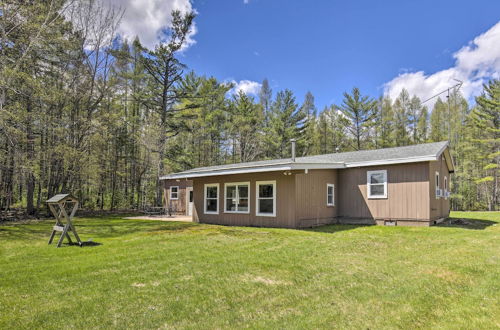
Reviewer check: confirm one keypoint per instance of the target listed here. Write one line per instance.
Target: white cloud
(246, 2)
(147, 19)
(248, 87)
(475, 64)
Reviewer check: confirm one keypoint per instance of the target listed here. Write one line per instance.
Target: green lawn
(149, 274)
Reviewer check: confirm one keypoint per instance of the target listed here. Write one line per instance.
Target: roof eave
(255, 169)
(393, 161)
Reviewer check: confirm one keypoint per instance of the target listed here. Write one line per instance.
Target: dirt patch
(138, 285)
(444, 274)
(265, 280)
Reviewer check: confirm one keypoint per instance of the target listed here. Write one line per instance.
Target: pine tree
(486, 117)
(422, 125)
(360, 110)
(286, 122)
(265, 96)
(438, 122)
(165, 71)
(414, 115)
(384, 123)
(309, 144)
(246, 121)
(401, 119)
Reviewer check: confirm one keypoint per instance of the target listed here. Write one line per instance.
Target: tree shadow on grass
(75, 244)
(334, 228)
(465, 223)
(99, 228)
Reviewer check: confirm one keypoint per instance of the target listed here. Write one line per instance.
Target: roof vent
(293, 149)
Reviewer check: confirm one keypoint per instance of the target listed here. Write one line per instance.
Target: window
(266, 198)
(445, 187)
(330, 201)
(174, 192)
(438, 191)
(211, 200)
(236, 197)
(377, 184)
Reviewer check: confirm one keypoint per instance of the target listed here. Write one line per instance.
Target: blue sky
(327, 47)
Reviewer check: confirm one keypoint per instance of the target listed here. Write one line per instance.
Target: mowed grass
(150, 274)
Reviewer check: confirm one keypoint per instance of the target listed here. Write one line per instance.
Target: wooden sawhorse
(60, 202)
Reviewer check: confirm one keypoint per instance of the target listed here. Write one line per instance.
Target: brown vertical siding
(301, 197)
(407, 194)
(179, 205)
(439, 208)
(285, 201)
(310, 197)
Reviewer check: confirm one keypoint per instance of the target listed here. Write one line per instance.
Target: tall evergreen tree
(333, 130)
(384, 122)
(438, 130)
(401, 122)
(486, 117)
(360, 110)
(165, 71)
(265, 96)
(286, 123)
(309, 143)
(246, 124)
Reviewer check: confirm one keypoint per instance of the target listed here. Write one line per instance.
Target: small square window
(174, 192)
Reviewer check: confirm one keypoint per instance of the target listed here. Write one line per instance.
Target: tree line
(84, 112)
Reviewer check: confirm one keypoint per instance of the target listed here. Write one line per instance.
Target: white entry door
(190, 201)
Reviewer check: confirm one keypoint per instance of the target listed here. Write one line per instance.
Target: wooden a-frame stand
(59, 201)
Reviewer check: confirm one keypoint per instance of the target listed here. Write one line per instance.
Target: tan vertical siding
(407, 193)
(310, 196)
(179, 205)
(285, 201)
(439, 208)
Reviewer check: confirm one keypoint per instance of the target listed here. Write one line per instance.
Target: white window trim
(205, 198)
(328, 185)
(368, 184)
(176, 198)
(257, 199)
(445, 188)
(237, 196)
(436, 185)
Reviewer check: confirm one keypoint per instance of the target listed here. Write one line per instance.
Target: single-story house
(403, 186)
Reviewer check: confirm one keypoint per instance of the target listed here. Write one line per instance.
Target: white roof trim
(392, 161)
(253, 169)
(290, 165)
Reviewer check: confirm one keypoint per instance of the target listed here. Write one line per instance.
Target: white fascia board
(318, 166)
(392, 161)
(225, 172)
(254, 169)
(448, 159)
